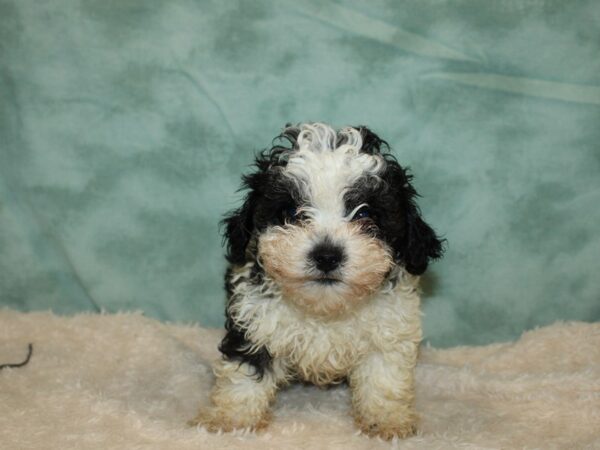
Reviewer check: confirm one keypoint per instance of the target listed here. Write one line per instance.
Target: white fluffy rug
(125, 381)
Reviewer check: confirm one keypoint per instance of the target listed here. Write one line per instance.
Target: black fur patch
(372, 144)
(235, 346)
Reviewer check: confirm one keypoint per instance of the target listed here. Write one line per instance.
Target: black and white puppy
(322, 286)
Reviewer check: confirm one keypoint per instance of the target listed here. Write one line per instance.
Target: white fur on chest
(324, 351)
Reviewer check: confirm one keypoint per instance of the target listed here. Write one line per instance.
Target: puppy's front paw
(387, 430)
(216, 419)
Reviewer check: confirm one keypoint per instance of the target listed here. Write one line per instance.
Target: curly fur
(340, 197)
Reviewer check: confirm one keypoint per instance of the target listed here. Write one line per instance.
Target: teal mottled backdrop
(125, 125)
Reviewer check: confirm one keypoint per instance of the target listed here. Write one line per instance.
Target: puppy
(324, 257)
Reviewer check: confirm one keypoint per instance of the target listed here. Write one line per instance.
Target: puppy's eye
(290, 214)
(362, 213)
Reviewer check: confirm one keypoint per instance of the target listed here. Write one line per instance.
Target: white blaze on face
(323, 173)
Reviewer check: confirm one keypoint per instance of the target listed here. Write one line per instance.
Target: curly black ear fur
(239, 223)
(238, 230)
(415, 243)
(420, 244)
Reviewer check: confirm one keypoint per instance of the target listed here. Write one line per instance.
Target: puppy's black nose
(327, 256)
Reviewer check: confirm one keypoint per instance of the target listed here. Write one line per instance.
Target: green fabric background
(125, 125)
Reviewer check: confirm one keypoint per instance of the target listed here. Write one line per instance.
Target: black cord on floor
(21, 364)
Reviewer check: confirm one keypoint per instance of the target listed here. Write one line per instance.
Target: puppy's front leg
(240, 398)
(383, 393)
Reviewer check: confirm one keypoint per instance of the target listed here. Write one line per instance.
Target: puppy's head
(330, 218)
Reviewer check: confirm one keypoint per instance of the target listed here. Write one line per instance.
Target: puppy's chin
(323, 298)
(282, 252)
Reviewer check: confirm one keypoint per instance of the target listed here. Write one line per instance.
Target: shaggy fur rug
(125, 381)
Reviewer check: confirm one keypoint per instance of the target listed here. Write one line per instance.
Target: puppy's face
(330, 219)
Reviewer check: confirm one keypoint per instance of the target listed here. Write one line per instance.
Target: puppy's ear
(239, 223)
(415, 242)
(238, 229)
(420, 244)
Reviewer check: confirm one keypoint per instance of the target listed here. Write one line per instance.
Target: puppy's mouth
(327, 280)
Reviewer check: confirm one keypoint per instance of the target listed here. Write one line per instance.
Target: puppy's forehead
(326, 163)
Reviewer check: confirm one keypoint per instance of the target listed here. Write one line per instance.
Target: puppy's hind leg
(240, 398)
